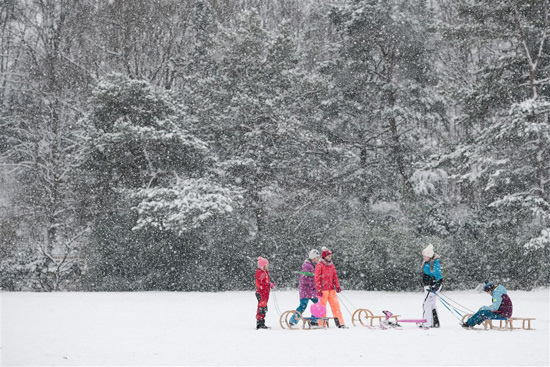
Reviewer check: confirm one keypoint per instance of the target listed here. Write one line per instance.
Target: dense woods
(166, 144)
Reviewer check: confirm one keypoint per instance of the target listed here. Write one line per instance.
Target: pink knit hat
(262, 262)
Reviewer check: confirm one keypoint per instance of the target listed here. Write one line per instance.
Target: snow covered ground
(154, 329)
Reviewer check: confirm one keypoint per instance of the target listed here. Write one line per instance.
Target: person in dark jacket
(263, 286)
(432, 280)
(306, 286)
(500, 308)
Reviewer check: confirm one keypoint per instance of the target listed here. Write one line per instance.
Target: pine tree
(150, 181)
(502, 162)
(386, 85)
(254, 128)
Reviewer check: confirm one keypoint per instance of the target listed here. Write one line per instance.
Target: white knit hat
(428, 251)
(313, 254)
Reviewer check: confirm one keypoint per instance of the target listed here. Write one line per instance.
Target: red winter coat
(262, 281)
(326, 278)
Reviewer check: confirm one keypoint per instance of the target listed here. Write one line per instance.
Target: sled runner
(284, 321)
(504, 323)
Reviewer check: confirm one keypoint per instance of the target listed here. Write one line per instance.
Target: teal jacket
(431, 276)
(497, 294)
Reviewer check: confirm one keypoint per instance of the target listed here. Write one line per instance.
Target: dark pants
(481, 315)
(262, 305)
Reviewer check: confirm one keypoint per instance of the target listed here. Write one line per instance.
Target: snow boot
(260, 324)
(337, 322)
(436, 319)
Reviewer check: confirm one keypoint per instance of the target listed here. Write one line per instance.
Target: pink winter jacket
(326, 278)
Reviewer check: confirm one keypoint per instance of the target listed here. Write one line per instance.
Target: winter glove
(272, 285)
(338, 289)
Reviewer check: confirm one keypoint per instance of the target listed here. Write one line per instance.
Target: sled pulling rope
(458, 306)
(344, 304)
(449, 306)
(276, 303)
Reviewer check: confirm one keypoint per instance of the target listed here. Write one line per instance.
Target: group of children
(319, 282)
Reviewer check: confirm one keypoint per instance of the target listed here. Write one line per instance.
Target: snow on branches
(539, 242)
(186, 205)
(429, 183)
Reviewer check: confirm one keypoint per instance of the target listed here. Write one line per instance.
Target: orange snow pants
(332, 299)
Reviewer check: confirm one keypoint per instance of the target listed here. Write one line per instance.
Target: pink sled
(419, 321)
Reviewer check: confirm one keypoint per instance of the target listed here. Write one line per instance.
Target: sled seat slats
(526, 321)
(508, 323)
(322, 320)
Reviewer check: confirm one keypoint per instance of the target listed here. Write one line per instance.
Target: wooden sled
(365, 316)
(504, 323)
(284, 320)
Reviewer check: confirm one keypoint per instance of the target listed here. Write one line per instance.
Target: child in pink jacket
(263, 286)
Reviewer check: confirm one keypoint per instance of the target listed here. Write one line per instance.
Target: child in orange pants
(327, 284)
(332, 299)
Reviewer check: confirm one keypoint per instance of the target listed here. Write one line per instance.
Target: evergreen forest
(166, 144)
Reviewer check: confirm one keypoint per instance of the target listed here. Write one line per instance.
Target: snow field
(162, 329)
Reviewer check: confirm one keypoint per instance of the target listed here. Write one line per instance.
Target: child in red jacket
(263, 286)
(327, 284)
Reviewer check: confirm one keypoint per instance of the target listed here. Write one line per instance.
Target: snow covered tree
(139, 38)
(502, 163)
(39, 134)
(386, 96)
(258, 95)
(145, 171)
(190, 137)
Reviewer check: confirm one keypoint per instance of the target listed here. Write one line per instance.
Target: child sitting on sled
(306, 286)
(500, 308)
(263, 286)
